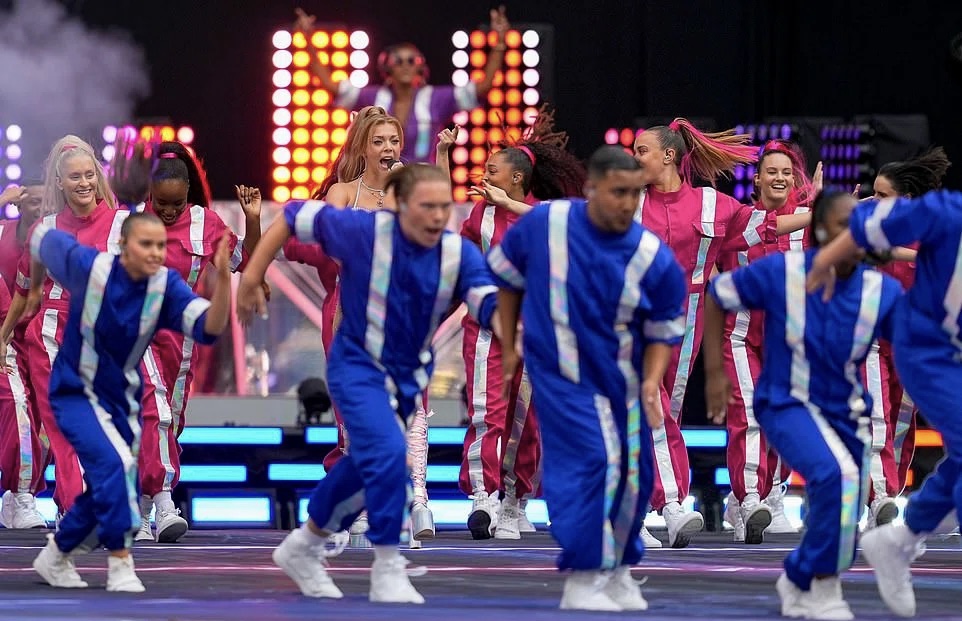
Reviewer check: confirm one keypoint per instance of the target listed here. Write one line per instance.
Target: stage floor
(228, 575)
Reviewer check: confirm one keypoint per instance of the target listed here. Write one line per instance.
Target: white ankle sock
(164, 502)
(386, 553)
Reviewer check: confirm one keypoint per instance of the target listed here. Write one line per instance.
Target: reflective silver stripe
(862, 337)
(952, 302)
(751, 232)
(475, 298)
(422, 113)
(568, 359)
(347, 95)
(746, 388)
(849, 493)
(479, 409)
(198, 216)
(383, 98)
(304, 221)
(48, 334)
(89, 361)
(450, 268)
(797, 238)
(665, 330)
(726, 293)
(113, 238)
(352, 505)
(628, 302)
(24, 423)
(640, 212)
(795, 324)
(93, 302)
(164, 417)
(873, 225)
(873, 383)
(709, 199)
(487, 227)
(22, 281)
(149, 315)
(503, 267)
(382, 258)
(237, 257)
(45, 226)
(179, 396)
(192, 312)
(467, 96)
(610, 553)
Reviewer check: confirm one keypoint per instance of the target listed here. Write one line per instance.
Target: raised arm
(305, 25)
(500, 25)
(250, 202)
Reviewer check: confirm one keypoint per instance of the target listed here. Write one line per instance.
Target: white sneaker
(19, 511)
(306, 565)
(422, 522)
(524, 524)
(883, 510)
(648, 539)
(824, 601)
(509, 521)
(585, 590)
(756, 516)
(170, 526)
(775, 501)
(484, 515)
(681, 525)
(733, 515)
(57, 568)
(121, 576)
(390, 583)
(624, 591)
(791, 596)
(146, 506)
(890, 550)
(360, 525)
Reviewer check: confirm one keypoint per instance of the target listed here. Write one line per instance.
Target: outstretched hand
(304, 22)
(250, 200)
(499, 22)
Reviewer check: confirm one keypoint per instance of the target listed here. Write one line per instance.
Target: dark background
(614, 62)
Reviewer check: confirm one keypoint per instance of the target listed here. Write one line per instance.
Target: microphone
(394, 164)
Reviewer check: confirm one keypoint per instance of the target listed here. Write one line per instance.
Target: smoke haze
(60, 76)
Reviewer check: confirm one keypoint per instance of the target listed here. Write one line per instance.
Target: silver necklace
(378, 194)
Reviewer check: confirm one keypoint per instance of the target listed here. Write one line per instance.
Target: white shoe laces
(337, 542)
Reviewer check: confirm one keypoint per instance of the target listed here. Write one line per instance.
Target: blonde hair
(68, 147)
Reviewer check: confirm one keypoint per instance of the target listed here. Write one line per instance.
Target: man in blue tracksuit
(928, 357)
(810, 401)
(400, 273)
(117, 304)
(602, 307)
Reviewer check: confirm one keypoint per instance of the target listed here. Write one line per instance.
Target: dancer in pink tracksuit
(502, 447)
(782, 187)
(179, 196)
(698, 224)
(23, 445)
(893, 411)
(79, 201)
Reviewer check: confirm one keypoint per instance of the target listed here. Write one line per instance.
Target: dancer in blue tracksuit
(810, 401)
(400, 273)
(602, 308)
(117, 303)
(928, 358)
